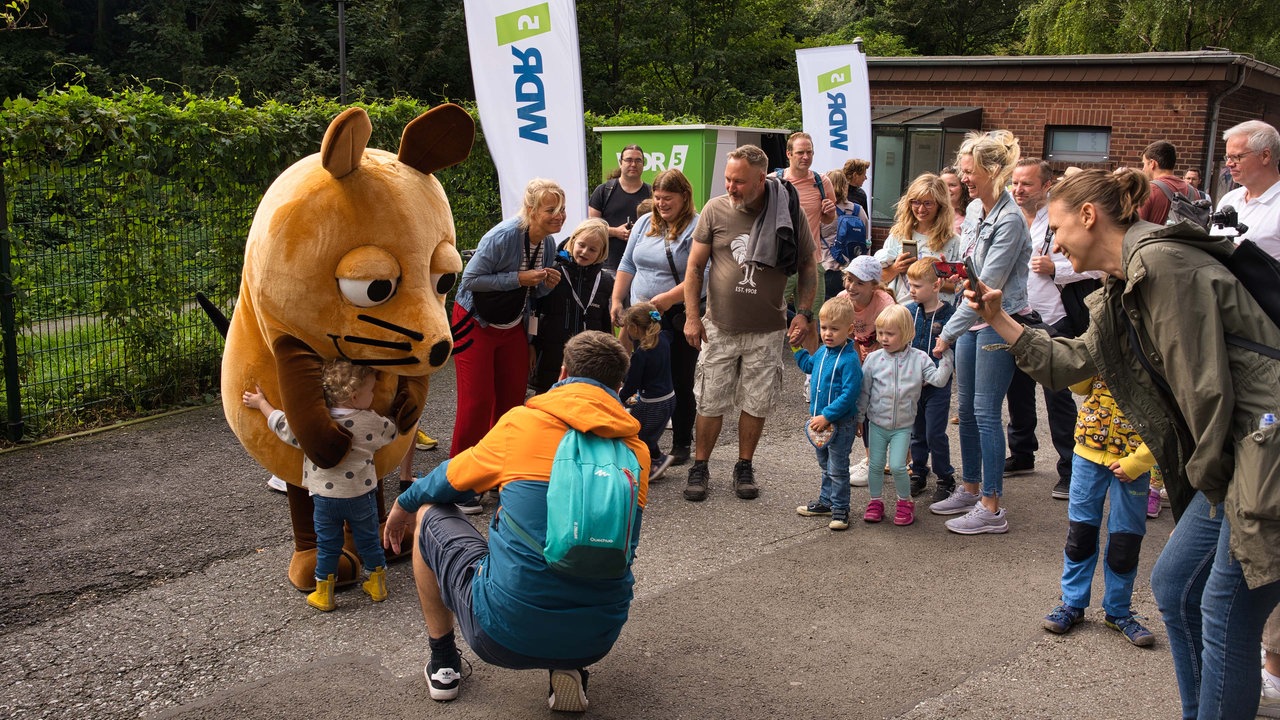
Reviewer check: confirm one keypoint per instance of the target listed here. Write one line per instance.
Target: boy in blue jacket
(836, 380)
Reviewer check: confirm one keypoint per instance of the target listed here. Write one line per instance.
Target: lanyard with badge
(532, 255)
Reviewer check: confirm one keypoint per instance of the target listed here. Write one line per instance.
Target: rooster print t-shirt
(741, 297)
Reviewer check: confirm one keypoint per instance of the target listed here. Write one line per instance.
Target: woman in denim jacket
(1163, 335)
(995, 235)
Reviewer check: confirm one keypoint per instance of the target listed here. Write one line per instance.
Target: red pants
(491, 375)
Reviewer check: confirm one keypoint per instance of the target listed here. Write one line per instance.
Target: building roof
(1197, 66)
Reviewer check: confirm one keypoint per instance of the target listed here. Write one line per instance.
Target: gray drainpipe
(1208, 176)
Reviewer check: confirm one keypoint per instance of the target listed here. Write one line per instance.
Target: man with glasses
(616, 199)
(1253, 150)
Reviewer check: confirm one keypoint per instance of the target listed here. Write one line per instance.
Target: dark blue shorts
(452, 547)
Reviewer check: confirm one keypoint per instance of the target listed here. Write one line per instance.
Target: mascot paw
(302, 569)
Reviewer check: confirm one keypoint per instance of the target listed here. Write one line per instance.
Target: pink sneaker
(875, 511)
(1153, 503)
(905, 513)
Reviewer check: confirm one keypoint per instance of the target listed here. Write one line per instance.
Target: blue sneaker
(813, 509)
(1063, 618)
(1132, 630)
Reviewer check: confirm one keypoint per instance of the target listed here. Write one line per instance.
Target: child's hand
(857, 429)
(253, 398)
(1119, 472)
(818, 423)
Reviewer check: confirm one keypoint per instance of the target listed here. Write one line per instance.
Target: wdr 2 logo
(531, 96)
(837, 117)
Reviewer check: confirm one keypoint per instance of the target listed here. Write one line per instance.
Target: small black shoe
(943, 488)
(1015, 466)
(699, 475)
(679, 454)
(1062, 491)
(744, 481)
(918, 485)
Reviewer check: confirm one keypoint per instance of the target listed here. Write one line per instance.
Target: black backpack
(1185, 208)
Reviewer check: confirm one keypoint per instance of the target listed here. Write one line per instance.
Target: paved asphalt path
(148, 580)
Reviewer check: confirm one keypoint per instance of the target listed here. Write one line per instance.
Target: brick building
(1083, 110)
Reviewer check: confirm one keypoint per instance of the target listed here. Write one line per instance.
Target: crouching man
(514, 610)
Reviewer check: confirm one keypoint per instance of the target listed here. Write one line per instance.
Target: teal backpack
(592, 499)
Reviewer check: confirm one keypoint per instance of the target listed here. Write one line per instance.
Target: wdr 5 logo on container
(531, 96)
(837, 117)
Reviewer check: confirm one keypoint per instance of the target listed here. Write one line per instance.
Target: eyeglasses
(632, 161)
(922, 203)
(1235, 159)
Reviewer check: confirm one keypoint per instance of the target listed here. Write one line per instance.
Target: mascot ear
(438, 138)
(344, 141)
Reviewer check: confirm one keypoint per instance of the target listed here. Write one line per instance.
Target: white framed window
(1072, 144)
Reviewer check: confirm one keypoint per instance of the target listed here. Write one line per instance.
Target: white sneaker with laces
(858, 473)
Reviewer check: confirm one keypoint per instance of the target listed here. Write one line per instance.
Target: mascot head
(350, 255)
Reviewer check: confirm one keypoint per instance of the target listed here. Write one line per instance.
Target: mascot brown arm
(406, 407)
(302, 399)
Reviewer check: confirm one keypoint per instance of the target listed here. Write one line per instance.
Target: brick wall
(1136, 115)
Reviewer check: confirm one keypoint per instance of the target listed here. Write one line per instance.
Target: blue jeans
(1126, 524)
(929, 435)
(982, 377)
(1214, 620)
(361, 513)
(895, 442)
(833, 458)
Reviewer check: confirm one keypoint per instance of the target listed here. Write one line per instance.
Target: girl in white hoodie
(892, 379)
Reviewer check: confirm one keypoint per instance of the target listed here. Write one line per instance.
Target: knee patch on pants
(1122, 552)
(1082, 541)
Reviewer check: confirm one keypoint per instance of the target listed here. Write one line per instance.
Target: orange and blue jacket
(517, 599)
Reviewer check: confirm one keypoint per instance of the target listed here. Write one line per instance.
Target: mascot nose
(439, 353)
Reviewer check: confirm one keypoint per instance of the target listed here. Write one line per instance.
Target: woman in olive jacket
(1158, 335)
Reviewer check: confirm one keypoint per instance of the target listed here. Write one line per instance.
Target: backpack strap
(780, 173)
(609, 186)
(515, 527)
(817, 180)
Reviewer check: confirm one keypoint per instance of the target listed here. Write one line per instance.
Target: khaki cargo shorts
(739, 369)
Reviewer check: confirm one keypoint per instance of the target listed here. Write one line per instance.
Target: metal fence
(98, 276)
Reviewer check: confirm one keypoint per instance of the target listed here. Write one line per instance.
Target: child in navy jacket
(580, 302)
(648, 389)
(836, 381)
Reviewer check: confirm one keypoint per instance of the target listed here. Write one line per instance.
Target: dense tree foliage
(1104, 26)
(712, 60)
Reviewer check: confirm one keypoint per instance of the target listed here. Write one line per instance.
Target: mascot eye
(367, 293)
(444, 283)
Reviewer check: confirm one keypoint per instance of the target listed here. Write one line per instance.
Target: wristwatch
(806, 314)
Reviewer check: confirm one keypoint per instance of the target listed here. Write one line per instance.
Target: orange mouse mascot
(350, 255)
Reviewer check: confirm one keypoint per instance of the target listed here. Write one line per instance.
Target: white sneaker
(1269, 703)
(277, 484)
(858, 474)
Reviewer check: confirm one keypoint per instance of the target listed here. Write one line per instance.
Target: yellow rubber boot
(376, 585)
(322, 598)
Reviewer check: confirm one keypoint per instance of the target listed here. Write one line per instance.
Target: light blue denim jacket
(498, 260)
(1001, 245)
